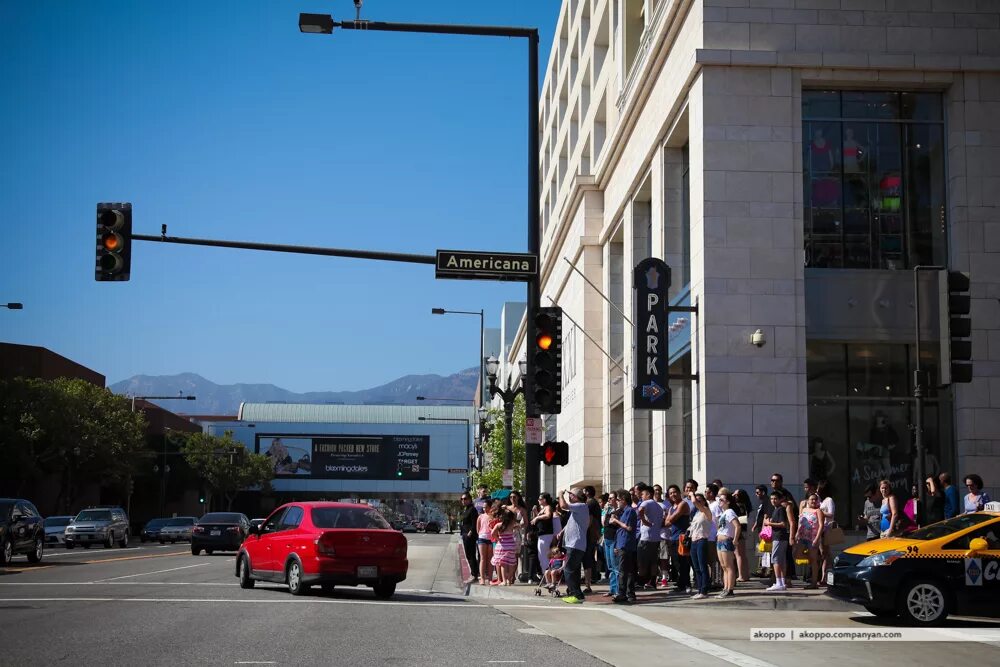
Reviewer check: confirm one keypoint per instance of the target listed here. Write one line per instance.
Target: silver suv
(98, 526)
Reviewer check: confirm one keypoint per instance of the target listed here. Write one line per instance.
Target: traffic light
(399, 470)
(114, 242)
(555, 453)
(546, 385)
(955, 327)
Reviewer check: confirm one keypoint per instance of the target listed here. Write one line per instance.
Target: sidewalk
(749, 595)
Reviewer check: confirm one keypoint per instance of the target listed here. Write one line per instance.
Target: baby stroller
(554, 574)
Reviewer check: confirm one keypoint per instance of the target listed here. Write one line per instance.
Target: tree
(493, 449)
(225, 465)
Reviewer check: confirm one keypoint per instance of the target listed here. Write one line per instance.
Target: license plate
(367, 572)
(216, 532)
(829, 578)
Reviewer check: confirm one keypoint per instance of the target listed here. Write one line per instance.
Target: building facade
(792, 161)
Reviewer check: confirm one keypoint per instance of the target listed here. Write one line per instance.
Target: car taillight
(233, 529)
(324, 548)
(197, 529)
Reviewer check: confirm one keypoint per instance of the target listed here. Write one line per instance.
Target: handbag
(833, 535)
(765, 533)
(800, 552)
(684, 545)
(764, 546)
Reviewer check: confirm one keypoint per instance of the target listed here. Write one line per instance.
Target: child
(505, 554)
(553, 575)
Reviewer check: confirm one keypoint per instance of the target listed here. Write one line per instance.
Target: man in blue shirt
(626, 519)
(951, 498)
(651, 522)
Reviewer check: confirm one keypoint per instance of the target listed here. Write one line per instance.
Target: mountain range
(225, 399)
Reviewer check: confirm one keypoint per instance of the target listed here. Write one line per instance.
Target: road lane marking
(26, 568)
(143, 574)
(114, 583)
(112, 560)
(689, 641)
(71, 552)
(463, 605)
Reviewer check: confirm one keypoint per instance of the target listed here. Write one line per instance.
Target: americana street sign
(650, 282)
(474, 265)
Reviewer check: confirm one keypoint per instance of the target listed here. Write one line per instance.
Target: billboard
(348, 457)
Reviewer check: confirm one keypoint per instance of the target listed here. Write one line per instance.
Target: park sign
(474, 265)
(650, 282)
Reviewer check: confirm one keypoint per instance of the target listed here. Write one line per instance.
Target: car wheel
(881, 613)
(36, 554)
(110, 542)
(923, 602)
(123, 543)
(384, 590)
(244, 573)
(7, 553)
(195, 551)
(70, 546)
(293, 577)
(208, 551)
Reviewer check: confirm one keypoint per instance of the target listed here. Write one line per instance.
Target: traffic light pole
(919, 384)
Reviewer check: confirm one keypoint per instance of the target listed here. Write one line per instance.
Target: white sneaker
(698, 596)
(775, 588)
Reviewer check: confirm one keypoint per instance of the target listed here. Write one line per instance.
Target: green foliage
(211, 458)
(492, 474)
(67, 426)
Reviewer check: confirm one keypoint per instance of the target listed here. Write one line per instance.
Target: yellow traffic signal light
(546, 379)
(114, 242)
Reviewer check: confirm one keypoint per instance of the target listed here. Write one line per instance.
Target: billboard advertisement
(348, 457)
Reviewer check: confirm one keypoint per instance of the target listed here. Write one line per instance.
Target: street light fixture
(442, 311)
(326, 24)
(508, 395)
(13, 306)
(432, 398)
(468, 431)
(166, 468)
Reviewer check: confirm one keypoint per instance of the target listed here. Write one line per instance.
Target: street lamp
(468, 431)
(166, 468)
(442, 311)
(324, 24)
(13, 306)
(508, 396)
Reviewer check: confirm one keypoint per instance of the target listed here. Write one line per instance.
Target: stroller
(554, 573)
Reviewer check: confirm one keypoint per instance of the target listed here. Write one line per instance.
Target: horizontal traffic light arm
(298, 249)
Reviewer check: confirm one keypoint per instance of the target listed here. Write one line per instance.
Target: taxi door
(980, 587)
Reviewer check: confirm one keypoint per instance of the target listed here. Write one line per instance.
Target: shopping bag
(801, 553)
(684, 545)
(765, 559)
(764, 546)
(765, 533)
(833, 535)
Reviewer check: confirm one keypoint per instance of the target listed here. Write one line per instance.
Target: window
(273, 524)
(292, 518)
(348, 517)
(990, 533)
(874, 187)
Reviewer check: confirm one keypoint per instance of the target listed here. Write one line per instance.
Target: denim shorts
(725, 545)
(480, 540)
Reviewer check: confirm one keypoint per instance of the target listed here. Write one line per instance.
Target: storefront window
(861, 413)
(873, 164)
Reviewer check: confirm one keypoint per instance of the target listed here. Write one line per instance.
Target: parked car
(98, 526)
(432, 527)
(219, 531)
(22, 530)
(177, 529)
(55, 530)
(325, 543)
(409, 527)
(151, 531)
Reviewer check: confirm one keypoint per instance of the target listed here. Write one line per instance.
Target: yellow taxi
(950, 567)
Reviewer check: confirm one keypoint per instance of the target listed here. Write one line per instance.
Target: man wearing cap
(574, 540)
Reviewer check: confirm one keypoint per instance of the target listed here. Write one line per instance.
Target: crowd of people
(691, 541)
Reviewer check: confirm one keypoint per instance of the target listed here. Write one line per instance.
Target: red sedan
(302, 544)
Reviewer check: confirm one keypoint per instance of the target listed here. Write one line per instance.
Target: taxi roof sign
(992, 506)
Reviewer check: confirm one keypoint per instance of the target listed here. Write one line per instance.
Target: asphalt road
(161, 605)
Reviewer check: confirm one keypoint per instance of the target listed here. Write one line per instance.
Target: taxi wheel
(923, 602)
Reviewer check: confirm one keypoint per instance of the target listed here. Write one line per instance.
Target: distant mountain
(225, 399)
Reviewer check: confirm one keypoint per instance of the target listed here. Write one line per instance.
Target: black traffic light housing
(113, 260)
(955, 327)
(555, 453)
(545, 391)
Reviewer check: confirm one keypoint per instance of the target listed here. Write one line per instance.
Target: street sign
(415, 467)
(650, 282)
(533, 430)
(508, 477)
(474, 265)
(457, 471)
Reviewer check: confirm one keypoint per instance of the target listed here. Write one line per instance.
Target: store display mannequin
(822, 151)
(853, 153)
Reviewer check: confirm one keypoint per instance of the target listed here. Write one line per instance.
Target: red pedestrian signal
(555, 453)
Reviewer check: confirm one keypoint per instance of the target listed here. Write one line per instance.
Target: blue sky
(222, 120)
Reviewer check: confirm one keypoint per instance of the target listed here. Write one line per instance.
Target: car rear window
(220, 517)
(948, 527)
(157, 523)
(94, 515)
(182, 521)
(56, 521)
(347, 517)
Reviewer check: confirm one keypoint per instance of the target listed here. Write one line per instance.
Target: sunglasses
(776, 480)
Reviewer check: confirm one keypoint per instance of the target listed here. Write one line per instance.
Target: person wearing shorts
(780, 522)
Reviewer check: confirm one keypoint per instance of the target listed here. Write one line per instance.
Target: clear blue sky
(222, 120)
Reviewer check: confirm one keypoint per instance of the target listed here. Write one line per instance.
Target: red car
(302, 544)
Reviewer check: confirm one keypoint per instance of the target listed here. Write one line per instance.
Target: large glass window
(873, 164)
(861, 413)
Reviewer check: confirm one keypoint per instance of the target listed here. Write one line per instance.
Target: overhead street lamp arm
(324, 23)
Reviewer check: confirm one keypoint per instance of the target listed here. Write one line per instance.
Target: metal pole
(482, 376)
(532, 457)
(919, 382)
(508, 423)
